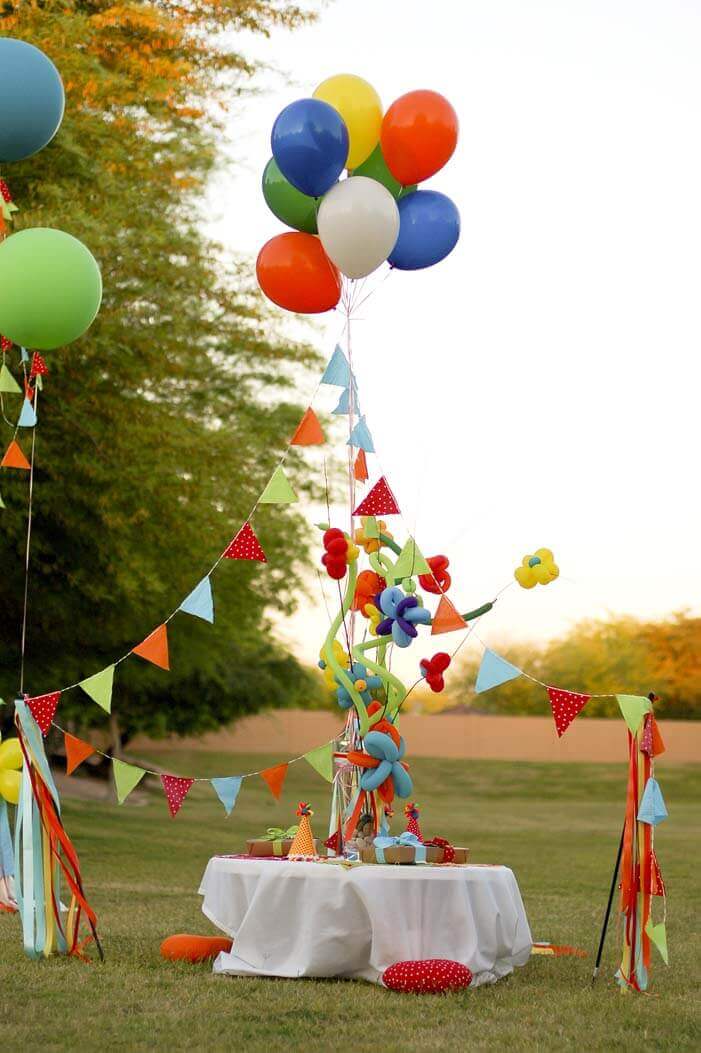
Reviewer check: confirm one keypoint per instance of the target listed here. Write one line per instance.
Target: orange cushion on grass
(186, 948)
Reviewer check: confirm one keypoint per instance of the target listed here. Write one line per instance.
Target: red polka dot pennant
(43, 709)
(246, 546)
(176, 790)
(379, 502)
(566, 705)
(38, 366)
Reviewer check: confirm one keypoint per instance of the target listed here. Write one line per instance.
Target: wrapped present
(408, 849)
(276, 842)
(438, 850)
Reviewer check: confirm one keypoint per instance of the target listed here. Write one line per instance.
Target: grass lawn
(557, 826)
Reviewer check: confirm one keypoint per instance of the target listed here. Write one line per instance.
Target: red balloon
(419, 134)
(295, 273)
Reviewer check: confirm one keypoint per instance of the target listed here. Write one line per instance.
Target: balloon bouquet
(351, 225)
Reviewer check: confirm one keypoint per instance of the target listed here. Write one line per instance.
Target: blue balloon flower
(358, 672)
(429, 228)
(310, 144)
(383, 748)
(402, 613)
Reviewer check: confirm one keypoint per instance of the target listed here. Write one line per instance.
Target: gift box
(407, 850)
(276, 842)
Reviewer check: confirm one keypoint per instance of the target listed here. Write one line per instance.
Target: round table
(294, 919)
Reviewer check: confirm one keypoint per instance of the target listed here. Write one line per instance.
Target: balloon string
(30, 505)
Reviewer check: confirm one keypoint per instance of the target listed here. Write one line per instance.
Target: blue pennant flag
(23, 353)
(343, 406)
(27, 418)
(200, 602)
(227, 790)
(494, 671)
(652, 808)
(361, 438)
(337, 371)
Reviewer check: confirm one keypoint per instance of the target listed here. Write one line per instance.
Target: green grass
(557, 826)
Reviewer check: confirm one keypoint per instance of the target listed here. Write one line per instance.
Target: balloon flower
(438, 581)
(10, 775)
(384, 770)
(401, 616)
(343, 175)
(538, 569)
(365, 685)
(338, 553)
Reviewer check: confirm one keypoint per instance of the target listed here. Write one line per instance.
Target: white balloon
(358, 223)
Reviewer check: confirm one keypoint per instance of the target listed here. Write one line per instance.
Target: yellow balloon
(359, 105)
(10, 782)
(10, 754)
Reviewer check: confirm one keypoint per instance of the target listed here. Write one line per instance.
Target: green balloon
(289, 204)
(376, 168)
(50, 288)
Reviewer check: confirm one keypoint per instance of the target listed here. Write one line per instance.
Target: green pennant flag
(633, 708)
(99, 687)
(278, 491)
(8, 384)
(126, 777)
(658, 936)
(321, 760)
(410, 561)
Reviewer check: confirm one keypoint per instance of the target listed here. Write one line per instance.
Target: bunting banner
(652, 808)
(154, 648)
(566, 705)
(494, 671)
(321, 760)
(126, 778)
(360, 468)
(76, 752)
(380, 501)
(343, 406)
(308, 431)
(337, 372)
(246, 546)
(43, 709)
(278, 491)
(410, 562)
(176, 790)
(633, 708)
(361, 438)
(446, 619)
(227, 790)
(275, 777)
(28, 417)
(14, 457)
(99, 687)
(200, 602)
(8, 384)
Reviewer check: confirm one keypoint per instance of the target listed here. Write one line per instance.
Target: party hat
(303, 843)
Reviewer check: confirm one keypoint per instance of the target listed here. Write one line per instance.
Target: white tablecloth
(320, 919)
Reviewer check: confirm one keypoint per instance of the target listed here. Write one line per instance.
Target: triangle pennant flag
(227, 790)
(494, 671)
(14, 458)
(360, 468)
(278, 491)
(446, 619)
(566, 705)
(309, 431)
(379, 502)
(154, 648)
(99, 687)
(658, 936)
(28, 417)
(657, 885)
(23, 354)
(8, 384)
(410, 561)
(651, 741)
(76, 752)
(337, 372)
(652, 808)
(246, 546)
(176, 790)
(361, 438)
(126, 777)
(321, 760)
(43, 708)
(38, 366)
(275, 777)
(633, 708)
(200, 602)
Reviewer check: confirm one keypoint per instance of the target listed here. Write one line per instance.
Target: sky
(540, 386)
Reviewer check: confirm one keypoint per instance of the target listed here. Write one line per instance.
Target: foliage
(621, 655)
(158, 430)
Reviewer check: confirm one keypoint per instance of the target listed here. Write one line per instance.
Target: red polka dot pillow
(431, 976)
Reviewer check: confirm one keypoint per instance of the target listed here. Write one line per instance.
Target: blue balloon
(310, 144)
(31, 100)
(429, 228)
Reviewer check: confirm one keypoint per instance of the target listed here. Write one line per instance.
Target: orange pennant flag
(446, 619)
(14, 458)
(76, 752)
(154, 648)
(309, 431)
(360, 468)
(275, 777)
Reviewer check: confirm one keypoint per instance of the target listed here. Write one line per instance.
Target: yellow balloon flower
(371, 544)
(537, 569)
(341, 657)
(359, 105)
(10, 762)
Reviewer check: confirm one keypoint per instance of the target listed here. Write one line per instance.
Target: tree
(621, 654)
(157, 430)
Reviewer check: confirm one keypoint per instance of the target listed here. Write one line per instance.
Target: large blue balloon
(429, 228)
(31, 100)
(310, 145)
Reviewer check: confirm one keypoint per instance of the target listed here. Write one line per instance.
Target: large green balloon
(287, 202)
(376, 168)
(50, 288)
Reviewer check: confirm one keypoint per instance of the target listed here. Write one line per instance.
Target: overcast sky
(551, 363)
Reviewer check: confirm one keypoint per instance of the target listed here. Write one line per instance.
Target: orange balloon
(419, 134)
(295, 273)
